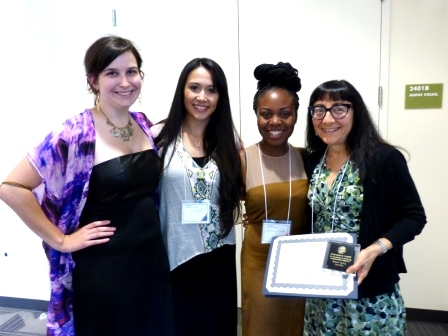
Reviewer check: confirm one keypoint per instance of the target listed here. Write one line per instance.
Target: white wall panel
(323, 39)
(45, 42)
(172, 33)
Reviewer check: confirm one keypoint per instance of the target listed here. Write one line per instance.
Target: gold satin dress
(267, 316)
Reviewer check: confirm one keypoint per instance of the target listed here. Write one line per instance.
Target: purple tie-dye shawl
(64, 160)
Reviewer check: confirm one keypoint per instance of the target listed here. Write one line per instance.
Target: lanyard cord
(185, 188)
(264, 185)
(336, 193)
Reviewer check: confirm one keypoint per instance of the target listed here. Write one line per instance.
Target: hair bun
(280, 74)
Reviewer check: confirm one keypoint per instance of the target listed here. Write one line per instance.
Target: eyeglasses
(337, 111)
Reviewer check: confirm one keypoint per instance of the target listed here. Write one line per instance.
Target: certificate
(294, 268)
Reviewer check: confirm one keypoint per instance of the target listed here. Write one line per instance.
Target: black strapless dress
(122, 287)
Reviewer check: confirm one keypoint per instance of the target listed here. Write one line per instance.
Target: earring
(140, 99)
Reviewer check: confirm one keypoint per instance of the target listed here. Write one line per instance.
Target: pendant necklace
(197, 143)
(124, 133)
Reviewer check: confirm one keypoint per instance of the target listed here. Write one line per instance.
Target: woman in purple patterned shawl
(97, 214)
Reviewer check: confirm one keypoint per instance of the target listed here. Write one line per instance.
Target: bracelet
(383, 247)
(16, 184)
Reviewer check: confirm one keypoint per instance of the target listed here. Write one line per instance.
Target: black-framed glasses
(338, 111)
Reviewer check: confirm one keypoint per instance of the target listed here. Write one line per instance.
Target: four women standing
(95, 173)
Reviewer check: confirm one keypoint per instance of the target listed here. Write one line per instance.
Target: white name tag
(274, 228)
(196, 212)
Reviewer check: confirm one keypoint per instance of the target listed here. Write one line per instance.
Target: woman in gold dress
(276, 188)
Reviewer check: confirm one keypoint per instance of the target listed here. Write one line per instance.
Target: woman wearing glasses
(361, 184)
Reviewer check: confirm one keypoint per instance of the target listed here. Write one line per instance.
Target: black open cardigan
(391, 209)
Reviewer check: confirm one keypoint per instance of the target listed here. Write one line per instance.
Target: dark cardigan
(391, 209)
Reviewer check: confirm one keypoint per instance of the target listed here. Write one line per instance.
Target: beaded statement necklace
(124, 133)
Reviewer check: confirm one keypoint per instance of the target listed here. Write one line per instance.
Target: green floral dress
(338, 209)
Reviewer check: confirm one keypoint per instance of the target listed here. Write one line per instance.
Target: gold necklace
(197, 143)
(124, 133)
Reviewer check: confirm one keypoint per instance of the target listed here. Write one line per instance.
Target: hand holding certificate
(295, 266)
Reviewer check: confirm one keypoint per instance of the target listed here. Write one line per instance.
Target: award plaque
(340, 255)
(294, 267)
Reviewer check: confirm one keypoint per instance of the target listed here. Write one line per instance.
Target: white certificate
(294, 268)
(196, 212)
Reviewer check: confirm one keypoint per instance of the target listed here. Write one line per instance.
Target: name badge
(274, 228)
(196, 212)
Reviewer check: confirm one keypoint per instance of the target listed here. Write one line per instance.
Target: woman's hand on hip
(91, 234)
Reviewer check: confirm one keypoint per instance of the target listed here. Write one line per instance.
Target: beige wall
(419, 54)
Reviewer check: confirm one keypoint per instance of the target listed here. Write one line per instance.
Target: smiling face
(200, 95)
(119, 84)
(333, 132)
(276, 117)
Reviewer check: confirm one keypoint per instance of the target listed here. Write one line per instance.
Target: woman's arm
(409, 214)
(404, 210)
(366, 257)
(25, 205)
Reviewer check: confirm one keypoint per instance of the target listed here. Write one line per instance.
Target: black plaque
(340, 255)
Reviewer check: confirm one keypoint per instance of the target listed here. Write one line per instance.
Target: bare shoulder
(155, 129)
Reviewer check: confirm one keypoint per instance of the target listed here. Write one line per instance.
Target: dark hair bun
(281, 75)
